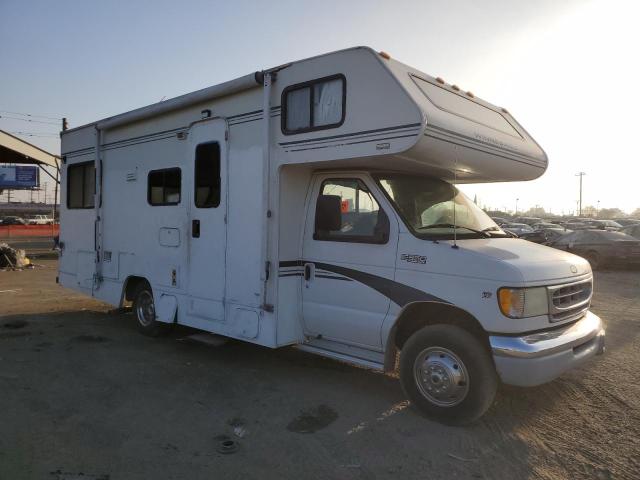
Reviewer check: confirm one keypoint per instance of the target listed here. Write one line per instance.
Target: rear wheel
(145, 312)
(594, 259)
(448, 374)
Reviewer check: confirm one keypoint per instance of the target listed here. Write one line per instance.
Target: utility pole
(517, 205)
(580, 174)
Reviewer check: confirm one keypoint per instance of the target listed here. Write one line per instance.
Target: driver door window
(360, 218)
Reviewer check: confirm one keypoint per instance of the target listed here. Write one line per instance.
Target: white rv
(314, 204)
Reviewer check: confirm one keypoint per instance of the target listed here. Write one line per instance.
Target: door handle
(195, 228)
(308, 271)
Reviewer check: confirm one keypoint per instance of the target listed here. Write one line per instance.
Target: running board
(359, 362)
(210, 339)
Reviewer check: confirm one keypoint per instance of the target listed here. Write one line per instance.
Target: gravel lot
(81, 392)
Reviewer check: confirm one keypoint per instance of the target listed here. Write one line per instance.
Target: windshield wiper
(484, 233)
(497, 230)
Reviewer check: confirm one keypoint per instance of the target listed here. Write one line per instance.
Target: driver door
(349, 245)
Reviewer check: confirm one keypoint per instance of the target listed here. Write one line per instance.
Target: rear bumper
(540, 357)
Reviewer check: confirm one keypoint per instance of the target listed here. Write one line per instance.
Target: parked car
(601, 247)
(500, 220)
(40, 220)
(517, 228)
(544, 225)
(604, 224)
(545, 236)
(527, 220)
(12, 220)
(625, 222)
(575, 225)
(633, 230)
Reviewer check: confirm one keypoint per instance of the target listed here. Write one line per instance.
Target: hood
(536, 263)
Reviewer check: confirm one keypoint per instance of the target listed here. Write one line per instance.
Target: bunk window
(315, 105)
(164, 187)
(207, 175)
(81, 185)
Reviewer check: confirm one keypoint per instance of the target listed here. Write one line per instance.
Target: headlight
(523, 302)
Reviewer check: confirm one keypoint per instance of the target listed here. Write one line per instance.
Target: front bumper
(540, 357)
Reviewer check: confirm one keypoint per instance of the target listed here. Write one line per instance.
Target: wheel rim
(441, 376)
(145, 310)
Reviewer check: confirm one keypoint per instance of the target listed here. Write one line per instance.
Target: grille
(569, 301)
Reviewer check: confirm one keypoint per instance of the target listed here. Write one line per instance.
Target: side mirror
(328, 213)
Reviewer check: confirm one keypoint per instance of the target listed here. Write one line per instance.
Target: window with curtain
(314, 105)
(81, 185)
(164, 187)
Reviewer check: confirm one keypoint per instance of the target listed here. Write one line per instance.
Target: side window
(81, 185)
(346, 211)
(314, 105)
(207, 176)
(163, 187)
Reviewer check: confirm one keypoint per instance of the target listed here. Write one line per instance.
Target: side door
(565, 242)
(207, 149)
(349, 252)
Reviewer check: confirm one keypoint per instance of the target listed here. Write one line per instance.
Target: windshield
(427, 206)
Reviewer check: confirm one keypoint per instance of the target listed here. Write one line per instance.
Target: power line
(31, 115)
(35, 134)
(29, 120)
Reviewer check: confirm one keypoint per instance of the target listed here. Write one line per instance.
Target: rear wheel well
(421, 314)
(130, 286)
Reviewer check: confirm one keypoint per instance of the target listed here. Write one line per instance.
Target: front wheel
(448, 374)
(145, 311)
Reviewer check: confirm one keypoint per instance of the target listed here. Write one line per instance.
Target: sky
(567, 70)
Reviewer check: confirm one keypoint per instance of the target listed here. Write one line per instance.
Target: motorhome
(315, 205)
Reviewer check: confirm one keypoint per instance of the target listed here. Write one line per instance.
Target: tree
(589, 211)
(608, 213)
(636, 213)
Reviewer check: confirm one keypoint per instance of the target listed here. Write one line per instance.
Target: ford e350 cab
(476, 304)
(315, 205)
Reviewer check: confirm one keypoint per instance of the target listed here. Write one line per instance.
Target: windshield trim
(460, 235)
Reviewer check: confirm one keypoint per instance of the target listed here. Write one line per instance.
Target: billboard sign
(19, 176)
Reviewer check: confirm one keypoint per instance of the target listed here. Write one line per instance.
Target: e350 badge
(421, 259)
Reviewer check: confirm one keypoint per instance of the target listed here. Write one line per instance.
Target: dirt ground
(81, 392)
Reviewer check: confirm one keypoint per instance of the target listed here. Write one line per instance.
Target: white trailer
(313, 204)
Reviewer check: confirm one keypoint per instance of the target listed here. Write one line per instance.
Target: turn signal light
(385, 55)
(511, 302)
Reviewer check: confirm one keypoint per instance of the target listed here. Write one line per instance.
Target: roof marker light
(455, 87)
(384, 55)
(470, 94)
(504, 110)
(439, 80)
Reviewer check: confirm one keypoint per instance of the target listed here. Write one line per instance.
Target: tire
(594, 260)
(443, 356)
(145, 313)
